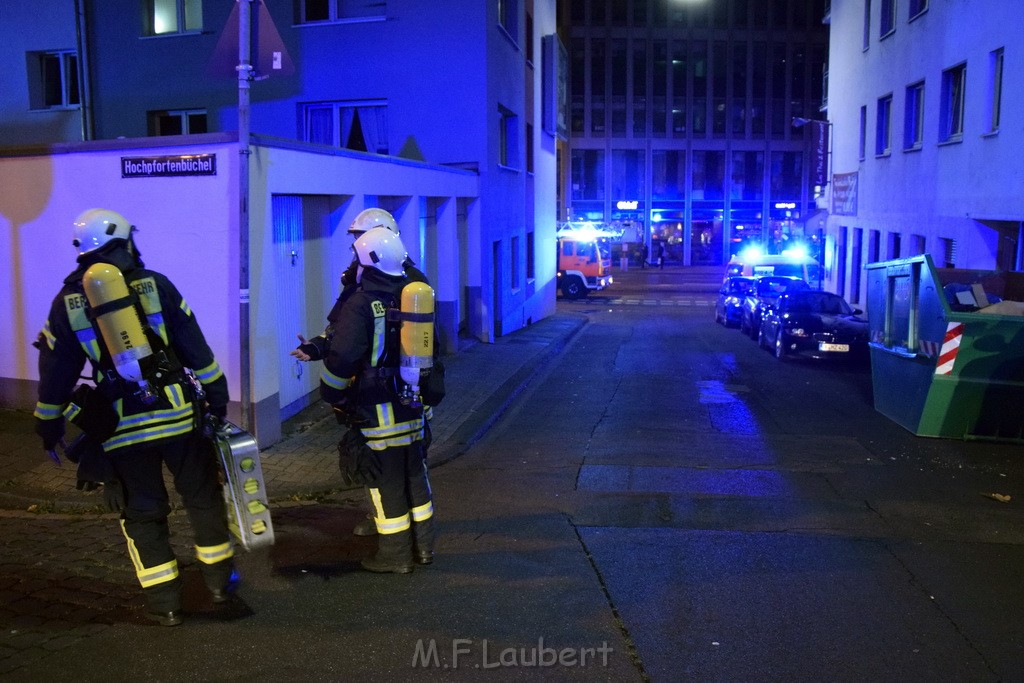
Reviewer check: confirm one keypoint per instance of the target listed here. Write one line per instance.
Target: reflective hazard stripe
(388, 433)
(387, 525)
(47, 411)
(212, 554)
(423, 512)
(149, 576)
(950, 347)
(210, 373)
(335, 382)
(51, 340)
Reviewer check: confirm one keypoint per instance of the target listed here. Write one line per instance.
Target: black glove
(113, 495)
(219, 412)
(51, 431)
(87, 486)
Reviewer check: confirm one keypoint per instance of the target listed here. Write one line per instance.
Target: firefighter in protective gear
(360, 378)
(315, 347)
(137, 436)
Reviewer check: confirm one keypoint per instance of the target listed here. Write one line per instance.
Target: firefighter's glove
(215, 422)
(311, 349)
(113, 495)
(87, 486)
(51, 432)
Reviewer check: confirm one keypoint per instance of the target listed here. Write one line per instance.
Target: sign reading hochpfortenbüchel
(160, 167)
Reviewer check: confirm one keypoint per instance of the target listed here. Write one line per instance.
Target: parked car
(730, 300)
(816, 324)
(766, 291)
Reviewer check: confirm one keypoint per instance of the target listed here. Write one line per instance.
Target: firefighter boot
(163, 603)
(394, 554)
(423, 541)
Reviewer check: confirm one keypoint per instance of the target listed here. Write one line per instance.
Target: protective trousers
(401, 495)
(192, 463)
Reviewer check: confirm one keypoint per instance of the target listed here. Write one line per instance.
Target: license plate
(841, 348)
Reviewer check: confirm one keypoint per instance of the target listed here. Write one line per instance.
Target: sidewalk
(481, 382)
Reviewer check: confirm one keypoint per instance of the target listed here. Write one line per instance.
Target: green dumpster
(947, 349)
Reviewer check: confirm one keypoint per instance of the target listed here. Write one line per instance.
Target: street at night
(660, 500)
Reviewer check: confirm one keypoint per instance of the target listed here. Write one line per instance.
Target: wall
(188, 229)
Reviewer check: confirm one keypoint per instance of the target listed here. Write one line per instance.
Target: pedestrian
(361, 381)
(139, 425)
(316, 347)
(661, 254)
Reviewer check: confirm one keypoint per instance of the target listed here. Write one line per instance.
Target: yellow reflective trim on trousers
(133, 553)
(422, 513)
(212, 554)
(151, 576)
(386, 525)
(168, 571)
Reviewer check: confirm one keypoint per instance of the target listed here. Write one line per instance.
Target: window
(887, 18)
(951, 121)
(995, 89)
(515, 262)
(508, 18)
(948, 252)
(867, 24)
(177, 122)
(529, 148)
(361, 126)
(529, 39)
(53, 79)
(917, 7)
(883, 126)
(508, 141)
(164, 17)
(913, 123)
(312, 11)
(862, 148)
(530, 261)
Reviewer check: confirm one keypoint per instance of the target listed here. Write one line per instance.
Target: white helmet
(372, 218)
(96, 227)
(381, 249)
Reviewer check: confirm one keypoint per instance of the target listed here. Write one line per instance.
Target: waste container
(947, 349)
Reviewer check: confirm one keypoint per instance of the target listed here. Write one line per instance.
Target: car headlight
(731, 301)
(797, 332)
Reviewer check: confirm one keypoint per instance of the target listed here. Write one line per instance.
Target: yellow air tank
(417, 337)
(117, 319)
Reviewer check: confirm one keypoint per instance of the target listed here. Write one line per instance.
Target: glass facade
(682, 120)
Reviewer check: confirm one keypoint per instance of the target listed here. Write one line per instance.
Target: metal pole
(244, 80)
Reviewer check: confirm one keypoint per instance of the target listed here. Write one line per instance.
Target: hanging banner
(819, 153)
(844, 194)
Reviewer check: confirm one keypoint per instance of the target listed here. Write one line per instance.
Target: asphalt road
(665, 502)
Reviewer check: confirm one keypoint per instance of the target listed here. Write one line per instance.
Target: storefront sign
(844, 194)
(624, 205)
(161, 167)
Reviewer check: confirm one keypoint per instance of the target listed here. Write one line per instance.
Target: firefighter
(360, 379)
(316, 347)
(140, 425)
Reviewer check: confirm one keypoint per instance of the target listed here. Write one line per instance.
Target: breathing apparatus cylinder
(118, 321)
(416, 352)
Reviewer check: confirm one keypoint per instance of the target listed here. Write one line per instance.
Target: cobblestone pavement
(65, 575)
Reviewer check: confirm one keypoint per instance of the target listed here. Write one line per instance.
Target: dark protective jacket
(361, 364)
(69, 339)
(317, 347)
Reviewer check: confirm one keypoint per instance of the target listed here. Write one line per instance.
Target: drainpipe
(245, 77)
(84, 90)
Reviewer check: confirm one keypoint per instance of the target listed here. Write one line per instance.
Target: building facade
(927, 131)
(432, 112)
(682, 121)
